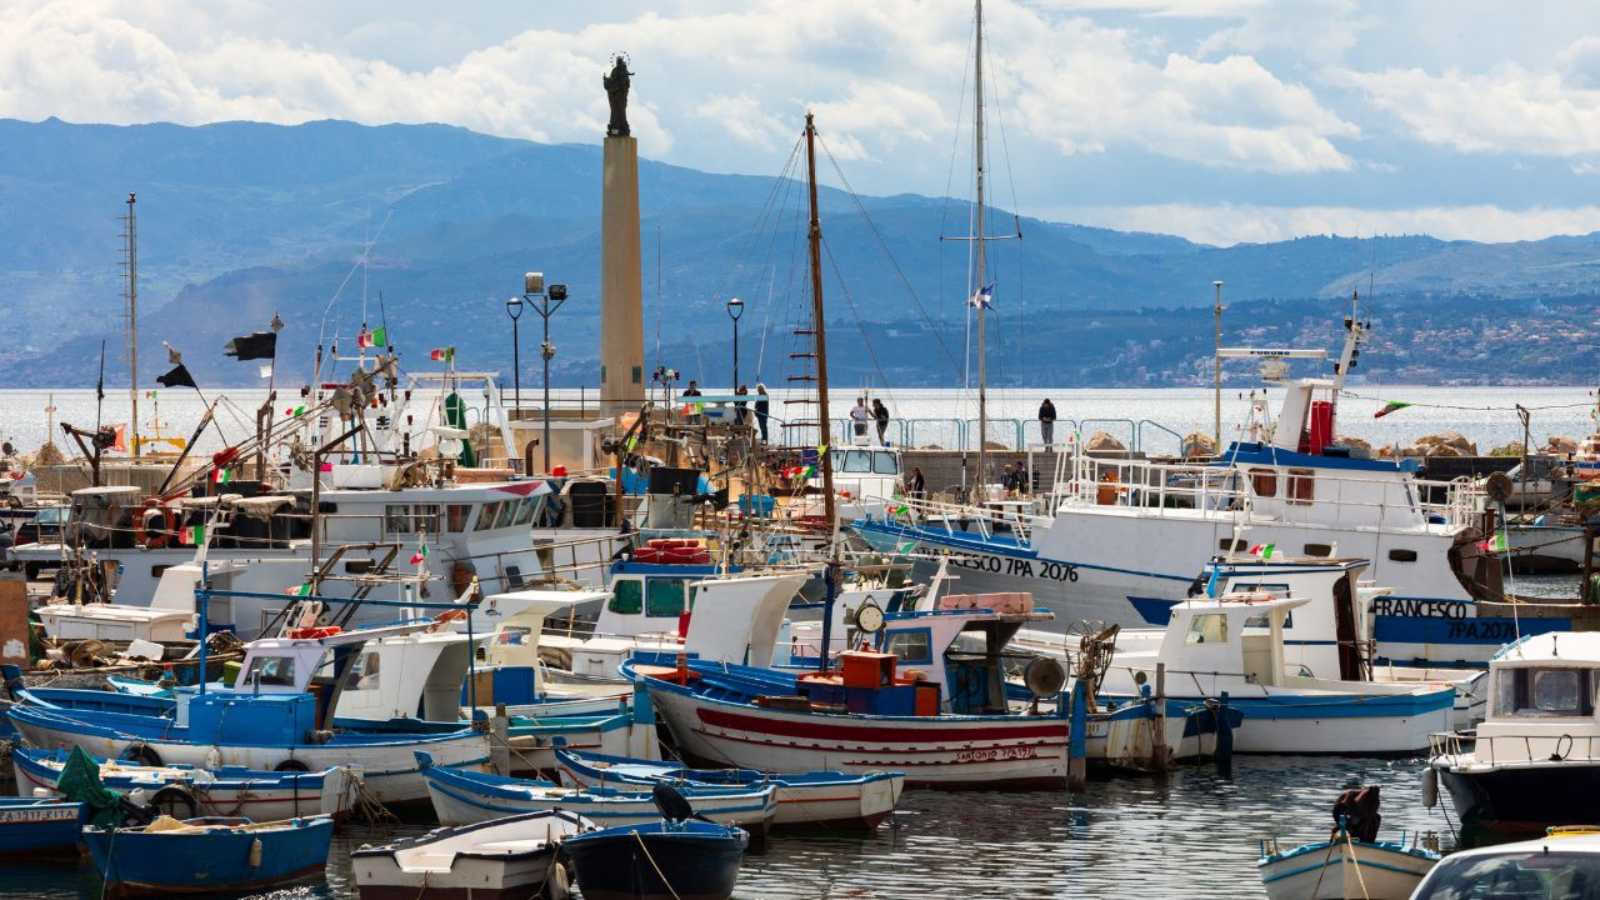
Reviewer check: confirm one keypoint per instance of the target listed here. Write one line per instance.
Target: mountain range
(427, 229)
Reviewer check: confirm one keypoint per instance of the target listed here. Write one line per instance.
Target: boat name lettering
(1429, 609)
(31, 816)
(1014, 567)
(994, 754)
(1483, 631)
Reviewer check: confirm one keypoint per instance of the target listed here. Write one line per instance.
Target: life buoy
(312, 633)
(154, 540)
(445, 618)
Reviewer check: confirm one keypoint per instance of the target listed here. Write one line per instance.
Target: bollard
(1224, 739)
(1077, 738)
(500, 741)
(1160, 754)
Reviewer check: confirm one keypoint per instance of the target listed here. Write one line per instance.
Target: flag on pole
(1499, 543)
(221, 476)
(983, 299)
(265, 370)
(178, 377)
(442, 354)
(1264, 551)
(260, 345)
(303, 590)
(295, 411)
(1391, 406)
(194, 534)
(380, 336)
(420, 556)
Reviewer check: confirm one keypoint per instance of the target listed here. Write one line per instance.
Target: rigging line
(955, 135)
(1508, 409)
(322, 329)
(766, 323)
(873, 227)
(860, 325)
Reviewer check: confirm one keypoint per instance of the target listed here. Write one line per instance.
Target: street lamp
(514, 310)
(735, 310)
(545, 303)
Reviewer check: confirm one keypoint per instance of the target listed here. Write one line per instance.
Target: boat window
(857, 462)
(1229, 544)
(157, 571)
(1264, 620)
(1543, 692)
(664, 597)
(525, 511)
(1399, 555)
(1318, 549)
(1264, 482)
(508, 512)
(456, 515)
(397, 518)
(885, 464)
(486, 516)
(1536, 874)
(1302, 486)
(627, 597)
(364, 674)
(912, 646)
(1209, 628)
(270, 670)
(425, 517)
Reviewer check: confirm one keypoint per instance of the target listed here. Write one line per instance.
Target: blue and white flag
(984, 298)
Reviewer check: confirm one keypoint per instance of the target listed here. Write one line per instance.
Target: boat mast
(977, 158)
(825, 457)
(132, 261)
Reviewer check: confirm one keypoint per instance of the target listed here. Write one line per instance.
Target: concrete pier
(621, 297)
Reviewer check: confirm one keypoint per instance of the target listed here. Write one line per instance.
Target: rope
(1360, 879)
(659, 874)
(1507, 409)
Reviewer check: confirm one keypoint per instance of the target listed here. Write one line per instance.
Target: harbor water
(1193, 834)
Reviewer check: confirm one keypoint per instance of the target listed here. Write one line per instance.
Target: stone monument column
(621, 296)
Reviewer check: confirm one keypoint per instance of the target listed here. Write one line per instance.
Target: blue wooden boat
(209, 856)
(675, 858)
(461, 797)
(31, 827)
(811, 799)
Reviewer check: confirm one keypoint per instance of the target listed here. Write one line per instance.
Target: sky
(1220, 120)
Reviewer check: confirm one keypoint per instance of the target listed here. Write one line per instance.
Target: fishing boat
(510, 858)
(33, 826)
(184, 792)
(461, 797)
(279, 715)
(1533, 762)
(209, 855)
(820, 799)
(1234, 646)
(673, 858)
(1351, 863)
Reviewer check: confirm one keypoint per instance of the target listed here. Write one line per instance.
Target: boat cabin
(1324, 639)
(1238, 633)
(1542, 699)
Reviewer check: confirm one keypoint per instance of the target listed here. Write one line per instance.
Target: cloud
(884, 77)
(1225, 225)
(1508, 109)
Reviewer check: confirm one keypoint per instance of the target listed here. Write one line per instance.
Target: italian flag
(1391, 406)
(421, 554)
(1500, 543)
(1264, 551)
(303, 590)
(221, 476)
(442, 354)
(194, 534)
(295, 411)
(379, 337)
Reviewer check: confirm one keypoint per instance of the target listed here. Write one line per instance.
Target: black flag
(260, 345)
(178, 377)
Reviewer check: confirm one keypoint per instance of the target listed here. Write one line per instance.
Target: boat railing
(1514, 749)
(978, 521)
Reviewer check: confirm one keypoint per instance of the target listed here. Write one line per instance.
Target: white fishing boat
(508, 858)
(1535, 760)
(1234, 646)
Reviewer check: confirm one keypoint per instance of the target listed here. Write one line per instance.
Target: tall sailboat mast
(978, 262)
(825, 456)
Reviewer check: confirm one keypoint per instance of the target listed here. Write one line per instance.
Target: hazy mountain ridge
(239, 221)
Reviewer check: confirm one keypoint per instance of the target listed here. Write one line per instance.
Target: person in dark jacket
(763, 408)
(881, 414)
(1047, 422)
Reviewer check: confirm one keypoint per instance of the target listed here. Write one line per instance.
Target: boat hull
(387, 768)
(1357, 869)
(1520, 800)
(628, 865)
(938, 751)
(30, 827)
(136, 862)
(261, 796)
(503, 859)
(1352, 724)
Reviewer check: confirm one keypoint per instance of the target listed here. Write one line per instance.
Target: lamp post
(514, 310)
(545, 303)
(735, 310)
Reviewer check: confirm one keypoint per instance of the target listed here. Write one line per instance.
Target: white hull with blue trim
(1345, 868)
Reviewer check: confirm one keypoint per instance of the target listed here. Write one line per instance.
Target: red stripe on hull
(880, 734)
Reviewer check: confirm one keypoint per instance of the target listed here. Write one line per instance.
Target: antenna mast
(977, 157)
(130, 234)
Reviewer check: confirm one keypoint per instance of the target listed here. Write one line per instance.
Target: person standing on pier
(859, 417)
(763, 409)
(881, 414)
(1047, 422)
(916, 485)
